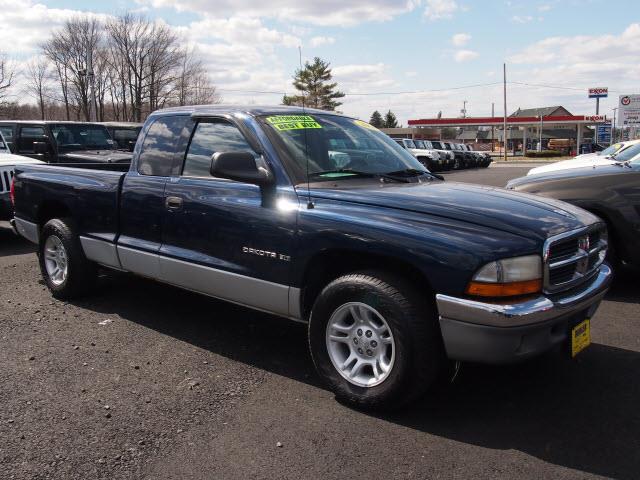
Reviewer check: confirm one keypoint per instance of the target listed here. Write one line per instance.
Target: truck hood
(96, 156)
(517, 213)
(11, 159)
(577, 162)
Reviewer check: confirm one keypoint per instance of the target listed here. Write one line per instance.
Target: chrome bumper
(503, 333)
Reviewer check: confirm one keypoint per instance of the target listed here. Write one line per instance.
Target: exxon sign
(599, 92)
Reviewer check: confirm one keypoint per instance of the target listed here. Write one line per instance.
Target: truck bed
(89, 195)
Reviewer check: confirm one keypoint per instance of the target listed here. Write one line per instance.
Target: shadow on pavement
(580, 414)
(11, 244)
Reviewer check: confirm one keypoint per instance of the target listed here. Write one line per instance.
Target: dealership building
(525, 128)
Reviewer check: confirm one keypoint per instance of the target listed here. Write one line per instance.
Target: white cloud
(25, 25)
(544, 8)
(319, 41)
(460, 39)
(363, 77)
(437, 9)
(522, 18)
(464, 55)
(325, 12)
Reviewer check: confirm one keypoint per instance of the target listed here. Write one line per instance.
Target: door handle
(173, 203)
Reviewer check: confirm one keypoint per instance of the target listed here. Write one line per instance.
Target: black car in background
(612, 192)
(125, 134)
(62, 142)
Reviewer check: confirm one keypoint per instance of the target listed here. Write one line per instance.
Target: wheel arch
(331, 264)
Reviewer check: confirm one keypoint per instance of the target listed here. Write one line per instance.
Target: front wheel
(64, 267)
(374, 340)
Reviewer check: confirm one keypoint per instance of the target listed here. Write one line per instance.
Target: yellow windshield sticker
(364, 124)
(293, 122)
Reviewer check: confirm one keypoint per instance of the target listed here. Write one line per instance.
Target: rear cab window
(28, 135)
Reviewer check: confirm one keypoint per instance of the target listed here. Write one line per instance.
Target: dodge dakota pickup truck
(321, 218)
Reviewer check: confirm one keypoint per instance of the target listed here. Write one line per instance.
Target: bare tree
(68, 49)
(193, 85)
(37, 82)
(7, 73)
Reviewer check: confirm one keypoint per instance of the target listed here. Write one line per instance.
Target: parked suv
(8, 162)
(63, 142)
(425, 157)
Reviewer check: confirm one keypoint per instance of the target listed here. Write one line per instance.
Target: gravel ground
(147, 381)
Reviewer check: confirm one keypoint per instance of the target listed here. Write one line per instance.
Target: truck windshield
(81, 137)
(333, 147)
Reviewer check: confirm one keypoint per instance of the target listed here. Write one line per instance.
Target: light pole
(540, 134)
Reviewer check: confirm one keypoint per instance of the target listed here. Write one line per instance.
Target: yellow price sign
(283, 123)
(366, 125)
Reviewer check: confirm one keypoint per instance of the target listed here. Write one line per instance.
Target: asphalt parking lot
(147, 381)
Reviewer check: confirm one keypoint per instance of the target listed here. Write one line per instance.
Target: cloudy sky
(416, 57)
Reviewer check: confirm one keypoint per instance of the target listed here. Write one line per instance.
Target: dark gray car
(610, 191)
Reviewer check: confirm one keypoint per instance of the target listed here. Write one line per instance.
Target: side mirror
(240, 166)
(41, 148)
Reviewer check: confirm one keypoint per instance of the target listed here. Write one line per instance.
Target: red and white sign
(595, 118)
(599, 92)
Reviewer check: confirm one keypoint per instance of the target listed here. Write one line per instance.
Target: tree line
(388, 121)
(137, 66)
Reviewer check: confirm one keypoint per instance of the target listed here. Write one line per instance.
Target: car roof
(47, 122)
(122, 124)
(253, 110)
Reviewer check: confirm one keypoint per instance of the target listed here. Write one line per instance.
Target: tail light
(12, 192)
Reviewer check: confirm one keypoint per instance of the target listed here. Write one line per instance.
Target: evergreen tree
(315, 87)
(377, 120)
(390, 120)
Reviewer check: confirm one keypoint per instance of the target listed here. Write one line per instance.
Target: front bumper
(481, 332)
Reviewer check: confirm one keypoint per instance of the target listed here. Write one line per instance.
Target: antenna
(310, 204)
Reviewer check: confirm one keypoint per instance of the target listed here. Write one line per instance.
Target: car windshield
(409, 143)
(627, 154)
(81, 137)
(419, 144)
(611, 149)
(331, 147)
(437, 145)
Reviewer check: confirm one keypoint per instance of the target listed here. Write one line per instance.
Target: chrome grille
(5, 180)
(573, 258)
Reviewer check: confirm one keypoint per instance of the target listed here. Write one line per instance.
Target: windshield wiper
(348, 172)
(414, 172)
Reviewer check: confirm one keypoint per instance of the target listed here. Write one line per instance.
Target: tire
(414, 358)
(60, 247)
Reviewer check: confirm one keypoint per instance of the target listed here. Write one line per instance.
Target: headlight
(508, 277)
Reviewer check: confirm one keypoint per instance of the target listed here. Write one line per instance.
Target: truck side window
(156, 157)
(27, 136)
(209, 138)
(7, 133)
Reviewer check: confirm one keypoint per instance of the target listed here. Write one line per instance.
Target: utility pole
(492, 127)
(464, 109)
(613, 130)
(504, 126)
(91, 80)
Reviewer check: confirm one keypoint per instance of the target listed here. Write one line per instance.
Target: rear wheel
(65, 269)
(374, 340)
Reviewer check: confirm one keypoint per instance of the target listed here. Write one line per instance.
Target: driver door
(225, 238)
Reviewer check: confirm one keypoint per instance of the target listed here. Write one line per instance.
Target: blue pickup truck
(323, 219)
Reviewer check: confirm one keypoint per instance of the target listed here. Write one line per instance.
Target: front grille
(5, 180)
(571, 258)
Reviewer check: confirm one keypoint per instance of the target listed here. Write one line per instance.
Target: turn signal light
(482, 289)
